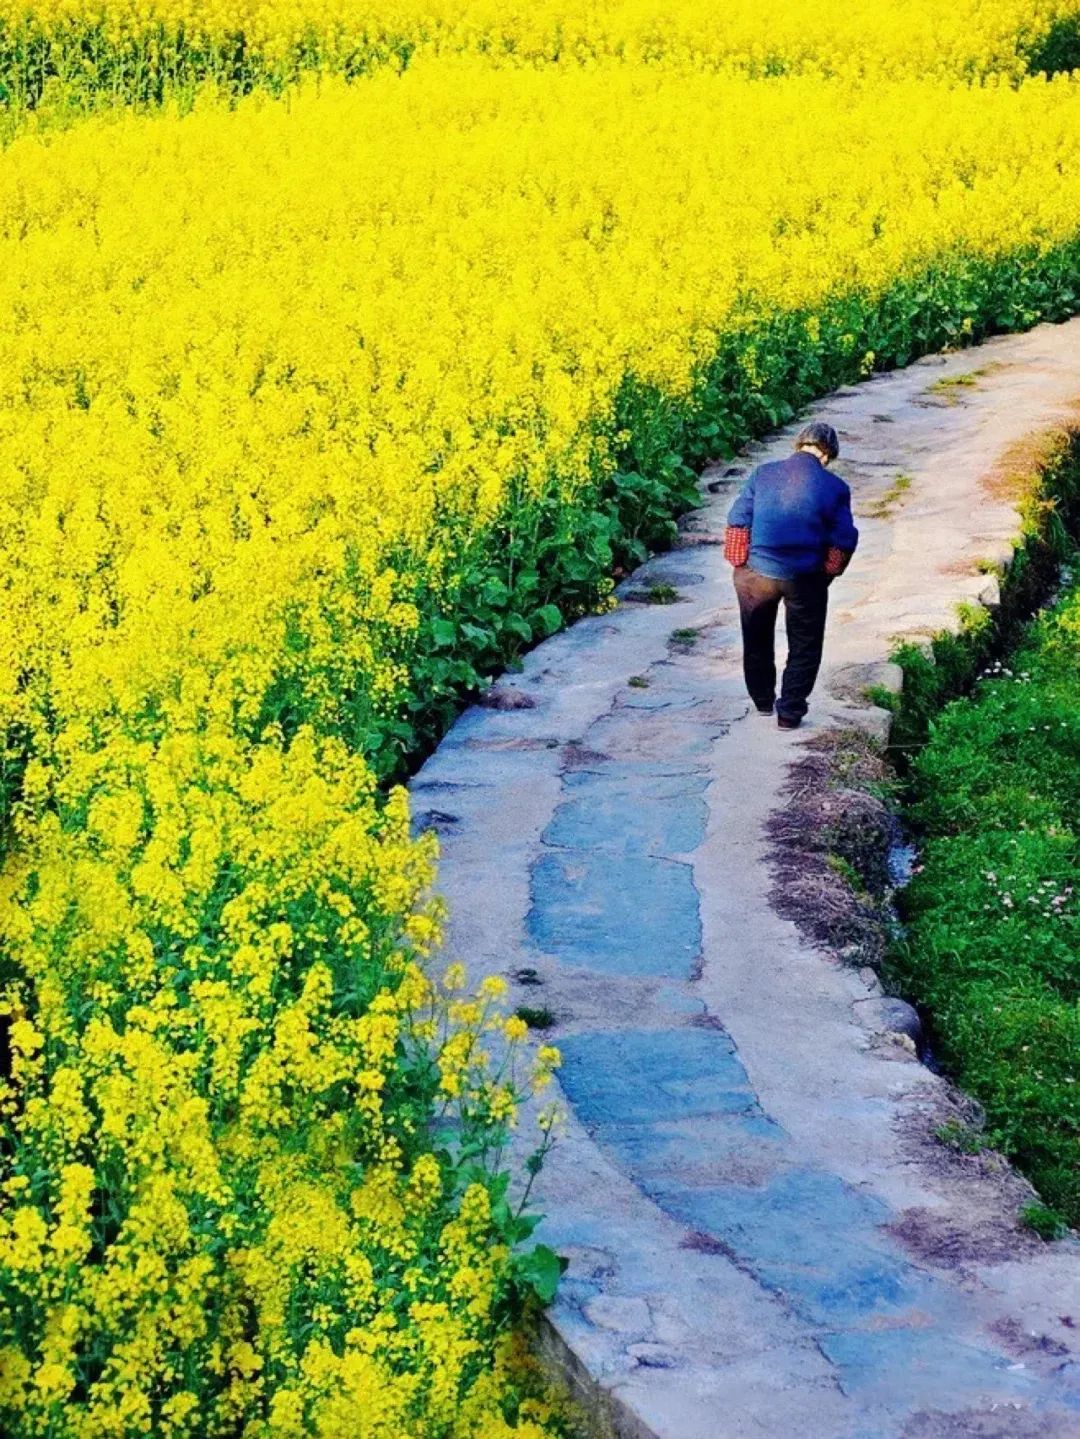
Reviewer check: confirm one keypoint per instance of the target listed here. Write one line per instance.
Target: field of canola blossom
(119, 48)
(314, 411)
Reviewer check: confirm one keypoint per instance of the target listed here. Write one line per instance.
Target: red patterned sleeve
(737, 545)
(837, 560)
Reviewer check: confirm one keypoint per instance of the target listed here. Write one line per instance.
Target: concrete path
(765, 1239)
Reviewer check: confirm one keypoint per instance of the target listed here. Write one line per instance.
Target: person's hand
(836, 561)
(737, 545)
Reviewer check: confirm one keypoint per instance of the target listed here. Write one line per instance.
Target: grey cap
(821, 435)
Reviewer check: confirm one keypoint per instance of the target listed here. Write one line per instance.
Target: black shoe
(766, 709)
(787, 722)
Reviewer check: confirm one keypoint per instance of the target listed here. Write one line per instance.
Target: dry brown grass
(1015, 474)
(828, 847)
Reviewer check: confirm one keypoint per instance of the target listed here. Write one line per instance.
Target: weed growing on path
(887, 503)
(658, 594)
(536, 1017)
(948, 389)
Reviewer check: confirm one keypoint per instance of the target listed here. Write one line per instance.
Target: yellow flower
(454, 977)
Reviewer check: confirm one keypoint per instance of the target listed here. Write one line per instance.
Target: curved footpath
(764, 1237)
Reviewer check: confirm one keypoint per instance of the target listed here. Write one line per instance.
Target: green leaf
(540, 1271)
(523, 1226)
(495, 592)
(476, 634)
(549, 618)
(443, 632)
(518, 625)
(499, 1185)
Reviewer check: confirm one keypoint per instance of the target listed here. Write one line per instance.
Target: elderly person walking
(789, 533)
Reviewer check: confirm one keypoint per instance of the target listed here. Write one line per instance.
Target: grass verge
(989, 730)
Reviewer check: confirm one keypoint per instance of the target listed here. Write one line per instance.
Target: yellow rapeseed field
(273, 370)
(312, 411)
(130, 46)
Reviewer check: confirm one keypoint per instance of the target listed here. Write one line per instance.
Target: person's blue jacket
(795, 511)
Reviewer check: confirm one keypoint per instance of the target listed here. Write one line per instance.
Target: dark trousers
(806, 602)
